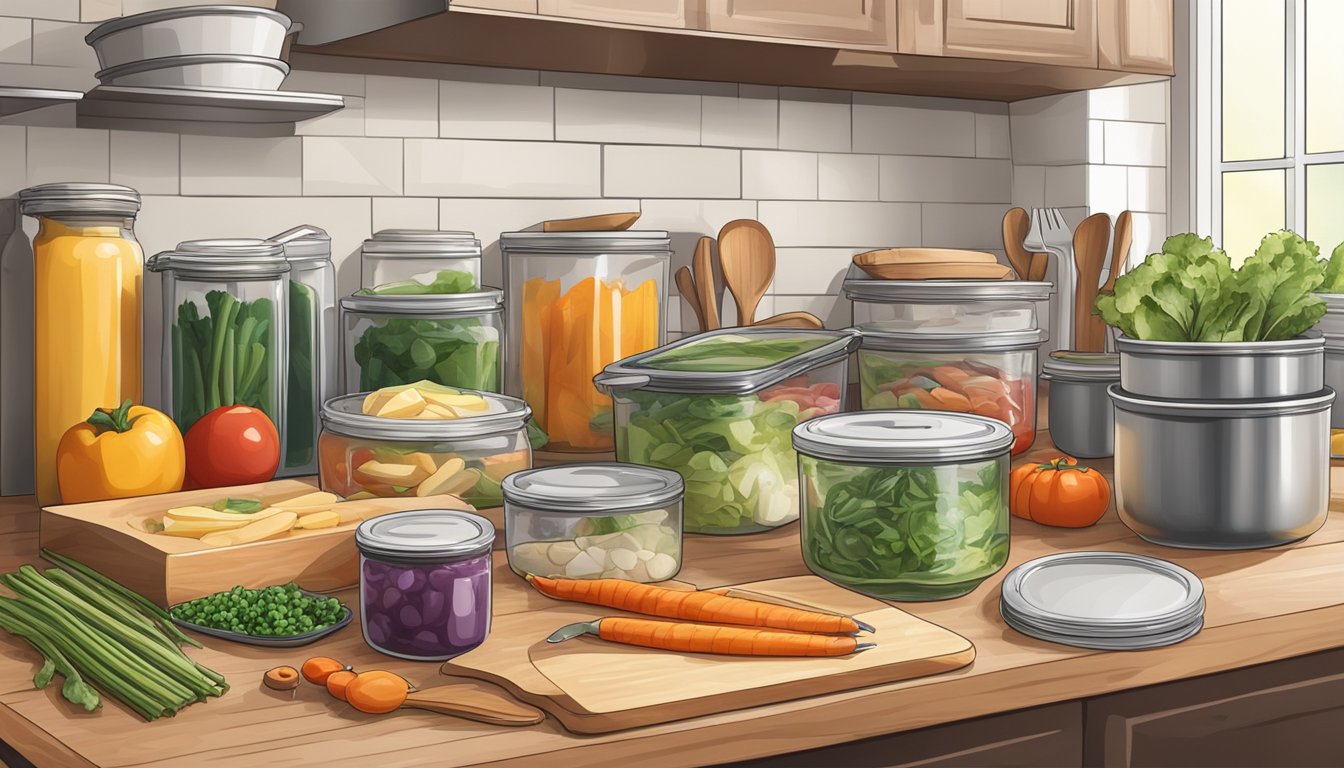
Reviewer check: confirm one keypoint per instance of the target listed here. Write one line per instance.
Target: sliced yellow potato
(195, 529)
(406, 404)
(275, 525)
(360, 496)
(505, 464)
(436, 411)
(326, 519)
(457, 402)
(456, 484)
(376, 400)
(433, 485)
(206, 514)
(374, 472)
(308, 501)
(422, 460)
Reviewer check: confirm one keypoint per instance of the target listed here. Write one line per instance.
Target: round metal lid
(1104, 589)
(167, 14)
(1308, 343)
(1222, 409)
(470, 303)
(625, 241)
(77, 198)
(422, 243)
(601, 487)
(305, 243)
(344, 415)
(1003, 341)
(1082, 366)
(238, 258)
(425, 534)
(903, 437)
(858, 286)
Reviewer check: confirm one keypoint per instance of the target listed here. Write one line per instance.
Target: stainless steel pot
(1209, 475)
(1175, 370)
(256, 73)
(1082, 419)
(199, 29)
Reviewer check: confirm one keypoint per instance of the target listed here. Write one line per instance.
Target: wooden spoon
(1040, 263)
(706, 286)
(1016, 224)
(686, 285)
(747, 257)
(1124, 234)
(790, 320)
(474, 700)
(606, 222)
(1090, 245)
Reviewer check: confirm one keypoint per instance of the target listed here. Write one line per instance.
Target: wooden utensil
(1090, 246)
(686, 286)
(1016, 223)
(606, 222)
(706, 285)
(1040, 262)
(747, 258)
(473, 700)
(1124, 233)
(941, 271)
(790, 320)
(922, 256)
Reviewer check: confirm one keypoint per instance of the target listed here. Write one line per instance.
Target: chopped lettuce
(445, 281)
(733, 353)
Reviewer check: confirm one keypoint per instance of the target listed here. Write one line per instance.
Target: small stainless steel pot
(1176, 370)
(1209, 475)
(1082, 419)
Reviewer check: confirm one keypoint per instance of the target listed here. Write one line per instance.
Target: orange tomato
(1059, 493)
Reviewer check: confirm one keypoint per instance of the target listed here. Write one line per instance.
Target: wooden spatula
(747, 258)
(606, 222)
(706, 285)
(1090, 246)
(473, 700)
(686, 286)
(1016, 224)
(1124, 234)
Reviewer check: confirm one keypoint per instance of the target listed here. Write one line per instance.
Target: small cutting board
(592, 686)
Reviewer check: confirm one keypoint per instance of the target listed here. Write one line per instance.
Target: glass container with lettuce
(419, 262)
(719, 409)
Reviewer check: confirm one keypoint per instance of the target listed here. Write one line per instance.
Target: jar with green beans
(313, 338)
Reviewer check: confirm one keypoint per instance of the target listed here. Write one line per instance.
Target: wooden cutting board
(591, 686)
(109, 536)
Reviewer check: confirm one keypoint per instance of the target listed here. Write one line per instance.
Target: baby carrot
(707, 607)
(736, 641)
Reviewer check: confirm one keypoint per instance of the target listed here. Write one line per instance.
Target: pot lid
(1114, 590)
(624, 241)
(903, 437)
(168, 14)
(1308, 343)
(1219, 409)
(77, 198)
(238, 258)
(860, 286)
(422, 243)
(469, 303)
(305, 243)
(425, 534)
(912, 341)
(602, 487)
(1083, 366)
(345, 415)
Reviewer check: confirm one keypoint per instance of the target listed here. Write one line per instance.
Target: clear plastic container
(900, 505)
(718, 408)
(989, 374)
(578, 302)
(411, 262)
(313, 355)
(467, 457)
(454, 340)
(594, 521)
(424, 583)
(943, 306)
(226, 334)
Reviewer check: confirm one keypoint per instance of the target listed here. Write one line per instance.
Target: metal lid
(1220, 409)
(438, 304)
(747, 368)
(167, 62)
(1001, 341)
(344, 415)
(167, 14)
(859, 286)
(1308, 343)
(305, 243)
(601, 487)
(428, 535)
(903, 437)
(422, 243)
(239, 259)
(1069, 365)
(626, 241)
(1113, 590)
(79, 198)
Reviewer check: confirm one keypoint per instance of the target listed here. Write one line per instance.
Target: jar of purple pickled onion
(424, 582)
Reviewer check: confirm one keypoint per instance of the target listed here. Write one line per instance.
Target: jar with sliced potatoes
(423, 439)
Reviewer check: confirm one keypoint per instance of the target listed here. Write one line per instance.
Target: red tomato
(231, 445)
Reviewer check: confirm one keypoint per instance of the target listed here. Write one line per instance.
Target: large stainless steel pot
(1210, 475)
(1176, 370)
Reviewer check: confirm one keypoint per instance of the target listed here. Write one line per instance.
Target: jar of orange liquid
(87, 275)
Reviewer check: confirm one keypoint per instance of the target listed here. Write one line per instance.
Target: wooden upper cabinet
(513, 6)
(1060, 32)
(853, 22)
(684, 14)
(1135, 36)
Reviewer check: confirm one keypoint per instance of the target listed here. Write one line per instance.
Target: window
(1278, 121)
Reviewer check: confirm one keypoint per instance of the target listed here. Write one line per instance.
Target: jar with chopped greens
(312, 343)
(416, 262)
(719, 408)
(904, 505)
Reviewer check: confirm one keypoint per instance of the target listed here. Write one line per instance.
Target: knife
(710, 638)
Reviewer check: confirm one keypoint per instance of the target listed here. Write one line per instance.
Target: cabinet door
(1044, 31)
(1135, 35)
(683, 14)
(862, 22)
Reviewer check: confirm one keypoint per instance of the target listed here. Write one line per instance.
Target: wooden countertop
(1262, 606)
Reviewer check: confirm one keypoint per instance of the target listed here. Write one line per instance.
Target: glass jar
(1082, 417)
(225, 312)
(452, 340)
(990, 374)
(718, 408)
(578, 302)
(361, 455)
(943, 306)
(410, 262)
(312, 342)
(594, 521)
(901, 505)
(87, 279)
(424, 583)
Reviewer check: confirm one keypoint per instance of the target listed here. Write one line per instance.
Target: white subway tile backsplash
(899, 125)
(464, 168)
(1145, 103)
(1136, 144)
(992, 137)
(401, 106)
(833, 310)
(701, 172)
(61, 44)
(860, 225)
(1029, 186)
(351, 166)
(749, 119)
(16, 40)
(146, 162)
(1065, 185)
(847, 177)
(779, 175)
(472, 110)
(311, 81)
(59, 10)
(814, 120)
(959, 225)
(67, 154)
(810, 271)
(693, 217)
(627, 117)
(1107, 189)
(1150, 231)
(347, 121)
(1051, 130)
(1148, 190)
(13, 162)
(946, 179)
(1096, 142)
(221, 165)
(405, 213)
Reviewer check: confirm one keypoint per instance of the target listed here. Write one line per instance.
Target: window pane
(1253, 206)
(1325, 206)
(1325, 76)
(1253, 79)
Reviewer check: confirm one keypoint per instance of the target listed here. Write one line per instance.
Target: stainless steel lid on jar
(436, 304)
(345, 415)
(79, 198)
(601, 487)
(225, 259)
(996, 341)
(428, 535)
(627, 241)
(1067, 365)
(903, 437)
(422, 243)
(305, 243)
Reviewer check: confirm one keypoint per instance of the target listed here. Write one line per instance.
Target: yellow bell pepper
(130, 451)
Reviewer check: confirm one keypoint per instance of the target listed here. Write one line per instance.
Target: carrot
(736, 641)
(707, 607)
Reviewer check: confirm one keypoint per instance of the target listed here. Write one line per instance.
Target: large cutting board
(592, 686)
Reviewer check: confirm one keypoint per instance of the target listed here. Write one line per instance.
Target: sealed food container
(1222, 475)
(1222, 370)
(225, 313)
(943, 306)
(989, 374)
(452, 340)
(410, 262)
(1082, 419)
(904, 505)
(467, 456)
(719, 408)
(578, 302)
(313, 355)
(424, 583)
(85, 257)
(594, 521)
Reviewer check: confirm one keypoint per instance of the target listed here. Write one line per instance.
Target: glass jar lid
(565, 243)
(345, 415)
(1082, 366)
(601, 487)
(422, 243)
(438, 304)
(425, 535)
(225, 259)
(79, 198)
(998, 341)
(860, 286)
(903, 437)
(305, 243)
